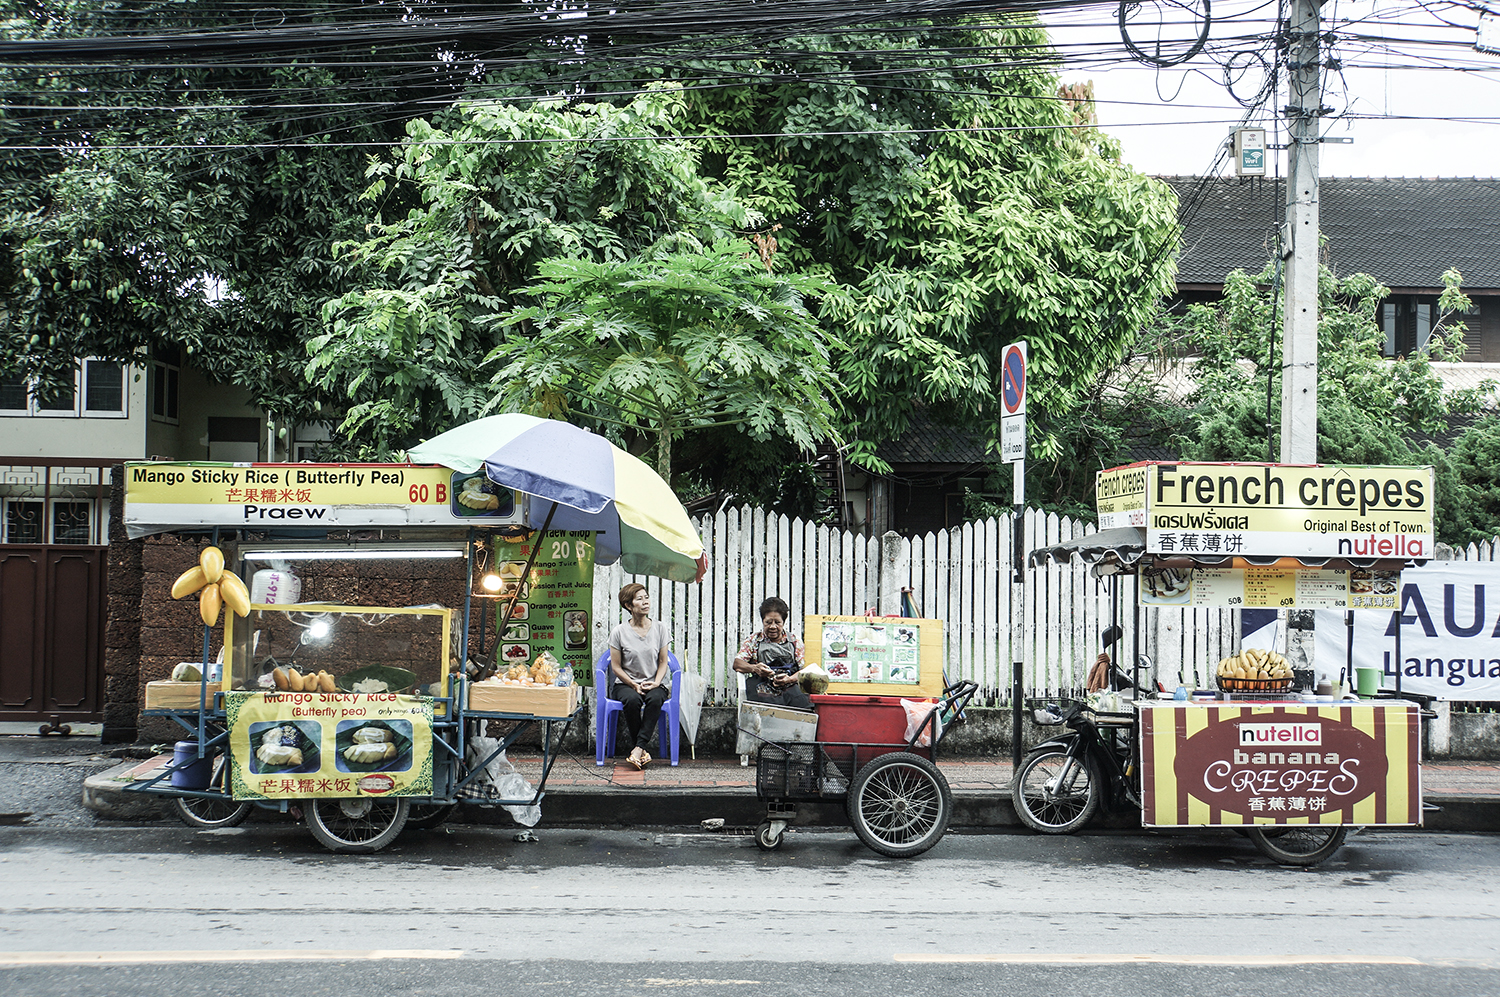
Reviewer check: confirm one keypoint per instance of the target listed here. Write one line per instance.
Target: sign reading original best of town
(165, 495)
(1273, 510)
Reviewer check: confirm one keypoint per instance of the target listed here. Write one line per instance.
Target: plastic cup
(1367, 681)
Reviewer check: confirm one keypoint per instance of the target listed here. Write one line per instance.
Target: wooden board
(167, 695)
(911, 648)
(536, 701)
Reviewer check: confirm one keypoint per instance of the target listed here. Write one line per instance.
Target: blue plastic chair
(607, 711)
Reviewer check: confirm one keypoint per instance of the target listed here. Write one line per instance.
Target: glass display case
(352, 649)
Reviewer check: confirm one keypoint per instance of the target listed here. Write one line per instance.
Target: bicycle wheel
(899, 805)
(425, 816)
(1297, 844)
(1054, 793)
(356, 825)
(208, 813)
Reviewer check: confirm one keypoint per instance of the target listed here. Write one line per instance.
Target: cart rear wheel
(209, 813)
(1298, 844)
(425, 816)
(766, 839)
(1054, 793)
(359, 824)
(899, 805)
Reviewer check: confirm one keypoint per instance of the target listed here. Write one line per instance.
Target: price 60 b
(418, 494)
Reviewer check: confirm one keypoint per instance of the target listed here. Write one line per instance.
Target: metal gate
(53, 583)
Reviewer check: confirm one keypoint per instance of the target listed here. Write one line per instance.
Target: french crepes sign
(1272, 510)
(1226, 764)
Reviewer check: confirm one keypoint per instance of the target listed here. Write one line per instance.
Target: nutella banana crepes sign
(293, 745)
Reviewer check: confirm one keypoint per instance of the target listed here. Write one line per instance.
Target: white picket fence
(1051, 623)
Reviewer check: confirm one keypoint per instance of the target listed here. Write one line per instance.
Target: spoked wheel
(1297, 844)
(766, 839)
(899, 805)
(356, 825)
(425, 816)
(1053, 793)
(208, 813)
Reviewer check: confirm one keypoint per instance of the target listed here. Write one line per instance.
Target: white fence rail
(963, 576)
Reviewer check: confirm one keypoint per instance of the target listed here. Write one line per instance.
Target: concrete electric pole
(1299, 353)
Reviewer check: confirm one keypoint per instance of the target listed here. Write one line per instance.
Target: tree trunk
(664, 455)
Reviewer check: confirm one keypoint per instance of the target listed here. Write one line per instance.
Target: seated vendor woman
(771, 658)
(638, 669)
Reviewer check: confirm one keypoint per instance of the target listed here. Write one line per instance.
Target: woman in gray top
(638, 669)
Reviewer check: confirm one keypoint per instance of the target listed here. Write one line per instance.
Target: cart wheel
(208, 813)
(1053, 793)
(899, 805)
(767, 840)
(358, 825)
(425, 816)
(1297, 844)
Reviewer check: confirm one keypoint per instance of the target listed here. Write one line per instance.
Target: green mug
(1367, 681)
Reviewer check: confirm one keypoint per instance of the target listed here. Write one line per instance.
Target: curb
(973, 809)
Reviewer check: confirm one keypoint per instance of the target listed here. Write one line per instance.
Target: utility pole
(1299, 352)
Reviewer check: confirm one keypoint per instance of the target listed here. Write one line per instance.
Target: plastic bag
(917, 711)
(499, 780)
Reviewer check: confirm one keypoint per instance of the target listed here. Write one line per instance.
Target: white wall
(81, 436)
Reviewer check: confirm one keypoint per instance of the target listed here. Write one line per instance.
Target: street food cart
(1292, 768)
(361, 716)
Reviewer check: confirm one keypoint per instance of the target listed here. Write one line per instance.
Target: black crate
(800, 772)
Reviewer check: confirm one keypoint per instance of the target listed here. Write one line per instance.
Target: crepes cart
(358, 716)
(1292, 769)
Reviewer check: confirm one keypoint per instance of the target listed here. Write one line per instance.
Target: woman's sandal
(636, 754)
(645, 760)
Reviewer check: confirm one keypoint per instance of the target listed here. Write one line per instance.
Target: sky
(1401, 66)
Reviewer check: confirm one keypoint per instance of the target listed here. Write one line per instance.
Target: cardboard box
(758, 723)
(536, 701)
(178, 695)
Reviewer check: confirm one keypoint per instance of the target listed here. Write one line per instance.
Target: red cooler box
(844, 719)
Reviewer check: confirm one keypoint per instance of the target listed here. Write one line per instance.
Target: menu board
(879, 655)
(555, 603)
(1271, 588)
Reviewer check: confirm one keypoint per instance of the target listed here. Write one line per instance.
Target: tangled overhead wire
(1158, 57)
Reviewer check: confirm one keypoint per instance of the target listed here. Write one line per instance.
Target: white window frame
(49, 518)
(80, 389)
(159, 370)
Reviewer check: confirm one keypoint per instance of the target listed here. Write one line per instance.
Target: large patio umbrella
(587, 483)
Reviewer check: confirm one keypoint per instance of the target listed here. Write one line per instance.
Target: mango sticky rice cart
(358, 716)
(1292, 769)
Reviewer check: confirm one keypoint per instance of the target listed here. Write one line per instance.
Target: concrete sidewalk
(579, 793)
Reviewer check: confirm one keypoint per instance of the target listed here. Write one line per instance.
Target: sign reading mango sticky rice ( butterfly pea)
(161, 495)
(1273, 510)
(294, 745)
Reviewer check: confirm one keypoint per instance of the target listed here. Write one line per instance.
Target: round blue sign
(1013, 380)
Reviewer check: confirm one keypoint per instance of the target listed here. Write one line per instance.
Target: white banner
(1450, 633)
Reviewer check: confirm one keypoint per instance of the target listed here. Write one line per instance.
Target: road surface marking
(221, 955)
(1183, 960)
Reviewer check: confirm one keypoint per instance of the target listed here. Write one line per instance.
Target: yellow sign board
(1273, 510)
(877, 655)
(286, 745)
(164, 495)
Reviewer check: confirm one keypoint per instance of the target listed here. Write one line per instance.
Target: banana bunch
(1255, 663)
(215, 587)
(290, 680)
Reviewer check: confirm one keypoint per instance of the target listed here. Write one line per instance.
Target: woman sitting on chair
(638, 669)
(771, 658)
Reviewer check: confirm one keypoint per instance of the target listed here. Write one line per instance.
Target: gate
(53, 580)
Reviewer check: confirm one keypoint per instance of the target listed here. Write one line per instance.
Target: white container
(274, 587)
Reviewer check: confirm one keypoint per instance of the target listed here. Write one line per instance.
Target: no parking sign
(1013, 400)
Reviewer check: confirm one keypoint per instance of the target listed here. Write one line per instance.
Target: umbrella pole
(510, 607)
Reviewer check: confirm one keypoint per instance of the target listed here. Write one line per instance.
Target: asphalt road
(467, 910)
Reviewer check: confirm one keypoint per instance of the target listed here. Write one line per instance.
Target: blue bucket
(195, 772)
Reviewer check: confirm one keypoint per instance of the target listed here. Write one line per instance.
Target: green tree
(569, 261)
(668, 342)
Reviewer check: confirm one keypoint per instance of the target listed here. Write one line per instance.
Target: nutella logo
(1281, 734)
